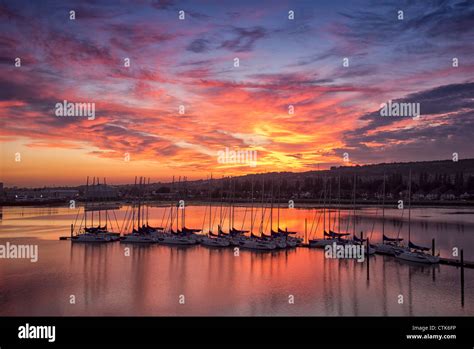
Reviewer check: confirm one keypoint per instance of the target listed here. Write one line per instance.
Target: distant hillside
(431, 181)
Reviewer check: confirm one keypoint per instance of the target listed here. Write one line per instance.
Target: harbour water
(196, 280)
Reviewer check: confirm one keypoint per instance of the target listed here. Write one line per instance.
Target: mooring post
(462, 277)
(72, 229)
(368, 258)
(433, 247)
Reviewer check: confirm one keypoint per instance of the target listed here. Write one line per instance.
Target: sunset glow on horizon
(183, 100)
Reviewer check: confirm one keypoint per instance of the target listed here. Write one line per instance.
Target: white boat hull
(139, 238)
(236, 240)
(388, 249)
(253, 244)
(215, 242)
(321, 243)
(88, 237)
(281, 244)
(172, 239)
(371, 251)
(417, 257)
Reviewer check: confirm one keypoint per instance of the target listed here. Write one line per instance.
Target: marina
(102, 275)
(172, 231)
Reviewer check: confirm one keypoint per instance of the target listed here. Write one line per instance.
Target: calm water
(215, 282)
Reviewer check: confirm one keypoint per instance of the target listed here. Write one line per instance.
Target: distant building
(449, 195)
(101, 192)
(433, 195)
(418, 196)
(60, 194)
(42, 195)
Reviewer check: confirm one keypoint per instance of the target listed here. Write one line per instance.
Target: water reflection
(148, 281)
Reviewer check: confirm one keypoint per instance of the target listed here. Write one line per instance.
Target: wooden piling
(462, 278)
(368, 259)
(72, 229)
(433, 247)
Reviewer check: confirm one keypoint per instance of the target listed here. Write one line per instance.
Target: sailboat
(285, 235)
(280, 240)
(191, 233)
(143, 233)
(215, 240)
(147, 227)
(355, 239)
(94, 233)
(328, 237)
(361, 241)
(281, 234)
(211, 239)
(258, 243)
(415, 253)
(184, 236)
(389, 246)
(255, 242)
(235, 236)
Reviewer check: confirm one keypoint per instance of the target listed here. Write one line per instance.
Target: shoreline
(298, 203)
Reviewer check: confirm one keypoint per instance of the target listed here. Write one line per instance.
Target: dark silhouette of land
(433, 182)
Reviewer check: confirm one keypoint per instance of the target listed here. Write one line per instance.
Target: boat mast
(171, 205)
(278, 209)
(329, 205)
(142, 198)
(85, 205)
(233, 202)
(140, 214)
(383, 208)
(144, 205)
(251, 211)
(354, 203)
(210, 205)
(271, 210)
(93, 208)
(133, 206)
(324, 208)
(106, 211)
(177, 205)
(98, 187)
(222, 202)
(183, 217)
(339, 204)
(147, 206)
(230, 204)
(139, 204)
(263, 192)
(92, 211)
(409, 206)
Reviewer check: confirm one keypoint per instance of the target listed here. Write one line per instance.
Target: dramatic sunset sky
(191, 62)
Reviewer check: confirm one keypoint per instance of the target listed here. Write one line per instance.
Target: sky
(140, 130)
